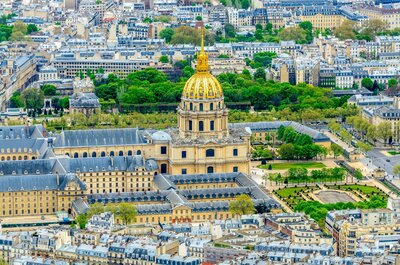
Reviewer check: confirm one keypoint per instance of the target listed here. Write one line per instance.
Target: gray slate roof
(37, 182)
(106, 137)
(274, 125)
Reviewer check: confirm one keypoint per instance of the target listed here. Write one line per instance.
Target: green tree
(147, 20)
(396, 170)
(16, 100)
(385, 131)
(82, 220)
(308, 28)
(33, 98)
(259, 26)
(367, 83)
(345, 30)
(167, 34)
(260, 73)
(230, 31)
(242, 205)
(164, 59)
(258, 35)
(49, 90)
(296, 34)
(32, 28)
(392, 83)
(19, 31)
(95, 208)
(199, 18)
(336, 150)
(127, 212)
(187, 72)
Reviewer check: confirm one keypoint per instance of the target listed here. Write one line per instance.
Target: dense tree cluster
(186, 35)
(298, 146)
(302, 175)
(16, 32)
(151, 86)
(318, 211)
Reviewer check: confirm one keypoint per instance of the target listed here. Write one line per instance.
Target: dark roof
(117, 163)
(23, 146)
(28, 167)
(37, 182)
(84, 100)
(274, 125)
(21, 132)
(106, 137)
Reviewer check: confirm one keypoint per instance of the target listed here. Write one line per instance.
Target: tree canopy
(242, 205)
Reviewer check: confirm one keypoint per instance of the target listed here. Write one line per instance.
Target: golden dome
(202, 85)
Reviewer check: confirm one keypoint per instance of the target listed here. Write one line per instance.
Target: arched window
(76, 155)
(94, 154)
(112, 153)
(103, 154)
(210, 169)
(211, 106)
(67, 154)
(191, 106)
(121, 153)
(201, 126)
(201, 107)
(129, 152)
(138, 152)
(210, 153)
(84, 154)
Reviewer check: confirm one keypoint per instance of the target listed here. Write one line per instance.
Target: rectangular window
(235, 169)
(183, 154)
(211, 125)
(163, 150)
(201, 126)
(235, 152)
(190, 125)
(184, 171)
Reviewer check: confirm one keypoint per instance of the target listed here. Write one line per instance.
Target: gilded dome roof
(202, 85)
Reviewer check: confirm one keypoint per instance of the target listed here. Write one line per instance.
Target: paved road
(377, 159)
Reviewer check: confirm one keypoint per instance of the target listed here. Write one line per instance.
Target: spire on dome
(202, 57)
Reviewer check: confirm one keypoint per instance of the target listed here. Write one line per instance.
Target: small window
(210, 170)
(163, 168)
(191, 106)
(112, 153)
(211, 106)
(201, 126)
(184, 171)
(183, 154)
(210, 153)
(211, 125)
(163, 150)
(235, 169)
(235, 152)
(201, 107)
(190, 125)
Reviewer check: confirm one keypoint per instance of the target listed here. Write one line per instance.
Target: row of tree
(318, 211)
(124, 211)
(302, 175)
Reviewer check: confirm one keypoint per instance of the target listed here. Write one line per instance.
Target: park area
(282, 166)
(319, 199)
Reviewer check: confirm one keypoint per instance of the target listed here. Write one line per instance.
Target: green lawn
(289, 191)
(279, 166)
(393, 153)
(367, 190)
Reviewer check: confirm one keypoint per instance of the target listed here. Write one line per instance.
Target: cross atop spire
(202, 57)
